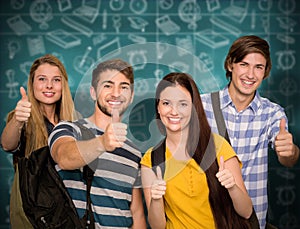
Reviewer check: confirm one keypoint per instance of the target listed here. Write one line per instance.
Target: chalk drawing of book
(63, 38)
(88, 11)
(237, 10)
(211, 38)
(167, 25)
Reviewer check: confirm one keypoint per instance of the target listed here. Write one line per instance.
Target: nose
(250, 72)
(116, 91)
(49, 84)
(174, 110)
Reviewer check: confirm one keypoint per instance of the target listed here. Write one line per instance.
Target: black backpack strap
(158, 156)
(215, 99)
(88, 174)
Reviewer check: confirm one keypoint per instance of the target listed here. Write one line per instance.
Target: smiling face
(47, 84)
(247, 75)
(113, 92)
(174, 108)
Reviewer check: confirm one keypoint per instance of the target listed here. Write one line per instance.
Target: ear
(229, 67)
(132, 96)
(93, 93)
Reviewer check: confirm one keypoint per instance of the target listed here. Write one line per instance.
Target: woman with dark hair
(202, 186)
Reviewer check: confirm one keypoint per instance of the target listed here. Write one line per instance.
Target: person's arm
(137, 209)
(11, 134)
(70, 154)
(154, 188)
(287, 151)
(230, 177)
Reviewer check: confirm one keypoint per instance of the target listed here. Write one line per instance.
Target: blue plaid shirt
(250, 131)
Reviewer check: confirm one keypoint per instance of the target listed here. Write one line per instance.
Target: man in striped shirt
(253, 122)
(116, 187)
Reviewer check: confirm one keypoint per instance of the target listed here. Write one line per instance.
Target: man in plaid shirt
(253, 122)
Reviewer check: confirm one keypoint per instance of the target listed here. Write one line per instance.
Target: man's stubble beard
(106, 112)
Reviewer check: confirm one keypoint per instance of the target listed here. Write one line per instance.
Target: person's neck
(240, 101)
(100, 119)
(49, 112)
(176, 142)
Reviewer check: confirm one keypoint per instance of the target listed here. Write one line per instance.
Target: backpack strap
(215, 99)
(158, 156)
(88, 174)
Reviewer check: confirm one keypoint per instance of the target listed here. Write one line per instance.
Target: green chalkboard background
(156, 37)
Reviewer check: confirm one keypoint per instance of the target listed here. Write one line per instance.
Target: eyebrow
(245, 62)
(48, 76)
(181, 100)
(111, 82)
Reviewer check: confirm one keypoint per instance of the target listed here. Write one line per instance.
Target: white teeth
(114, 103)
(174, 119)
(248, 82)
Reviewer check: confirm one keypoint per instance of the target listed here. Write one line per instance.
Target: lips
(48, 94)
(174, 120)
(114, 103)
(248, 82)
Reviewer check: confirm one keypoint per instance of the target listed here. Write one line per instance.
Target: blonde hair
(36, 132)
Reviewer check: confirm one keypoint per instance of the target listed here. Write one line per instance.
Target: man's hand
(287, 151)
(115, 133)
(284, 145)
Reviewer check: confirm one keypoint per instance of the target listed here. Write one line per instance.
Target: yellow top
(186, 199)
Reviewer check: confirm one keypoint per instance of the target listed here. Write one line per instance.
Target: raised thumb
(23, 94)
(115, 116)
(282, 125)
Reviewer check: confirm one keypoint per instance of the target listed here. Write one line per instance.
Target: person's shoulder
(269, 104)
(219, 140)
(221, 143)
(146, 159)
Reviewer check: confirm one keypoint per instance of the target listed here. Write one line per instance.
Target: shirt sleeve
(277, 114)
(223, 148)
(64, 129)
(146, 159)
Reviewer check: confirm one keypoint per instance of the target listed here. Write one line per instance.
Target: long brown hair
(201, 148)
(36, 132)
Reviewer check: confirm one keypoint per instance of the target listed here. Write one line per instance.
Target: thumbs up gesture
(115, 133)
(284, 141)
(224, 176)
(158, 187)
(23, 108)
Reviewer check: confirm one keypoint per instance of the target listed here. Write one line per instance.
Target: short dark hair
(113, 64)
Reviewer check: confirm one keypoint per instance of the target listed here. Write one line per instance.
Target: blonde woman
(47, 101)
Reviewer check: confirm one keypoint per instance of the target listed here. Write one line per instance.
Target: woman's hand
(158, 187)
(224, 176)
(23, 108)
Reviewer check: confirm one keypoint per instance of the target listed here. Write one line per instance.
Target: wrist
(295, 155)
(18, 124)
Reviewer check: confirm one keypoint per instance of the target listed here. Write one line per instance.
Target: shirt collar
(226, 100)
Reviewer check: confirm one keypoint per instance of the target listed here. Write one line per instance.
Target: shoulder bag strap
(219, 116)
(158, 156)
